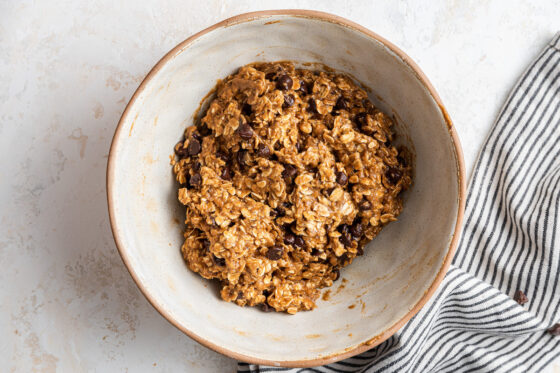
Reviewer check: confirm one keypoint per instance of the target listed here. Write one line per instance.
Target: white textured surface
(67, 70)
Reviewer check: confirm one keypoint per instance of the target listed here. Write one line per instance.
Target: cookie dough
(289, 173)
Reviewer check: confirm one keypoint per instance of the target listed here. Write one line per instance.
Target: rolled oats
(287, 176)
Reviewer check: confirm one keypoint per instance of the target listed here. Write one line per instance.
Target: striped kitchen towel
(510, 243)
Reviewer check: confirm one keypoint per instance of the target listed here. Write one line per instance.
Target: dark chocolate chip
(206, 244)
(263, 151)
(364, 205)
(303, 88)
(196, 166)
(336, 274)
(275, 252)
(356, 230)
(218, 261)
(288, 101)
(289, 238)
(203, 130)
(194, 147)
(180, 150)
(346, 239)
(195, 180)
(360, 250)
(245, 131)
(223, 156)
(520, 297)
(242, 157)
(312, 106)
(341, 178)
(266, 308)
(289, 171)
(279, 212)
(341, 103)
(393, 175)
(284, 82)
(361, 119)
(343, 228)
(271, 76)
(299, 242)
(226, 173)
(246, 109)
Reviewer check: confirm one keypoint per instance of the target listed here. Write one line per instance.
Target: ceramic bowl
(380, 291)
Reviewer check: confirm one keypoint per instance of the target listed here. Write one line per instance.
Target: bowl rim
(375, 340)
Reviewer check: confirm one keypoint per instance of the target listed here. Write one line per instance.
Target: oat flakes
(289, 173)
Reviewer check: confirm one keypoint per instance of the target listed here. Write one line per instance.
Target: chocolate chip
(289, 238)
(206, 244)
(195, 180)
(341, 104)
(393, 175)
(245, 131)
(364, 205)
(315, 252)
(242, 157)
(520, 297)
(344, 259)
(303, 88)
(289, 171)
(288, 101)
(346, 239)
(299, 242)
(275, 252)
(223, 156)
(180, 150)
(271, 76)
(554, 330)
(194, 147)
(266, 308)
(343, 228)
(218, 261)
(196, 166)
(203, 130)
(247, 110)
(361, 119)
(312, 106)
(356, 230)
(284, 83)
(336, 274)
(279, 212)
(341, 178)
(263, 151)
(226, 173)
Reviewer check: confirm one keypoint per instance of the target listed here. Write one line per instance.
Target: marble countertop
(67, 70)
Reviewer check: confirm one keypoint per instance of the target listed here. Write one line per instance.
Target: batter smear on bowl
(289, 173)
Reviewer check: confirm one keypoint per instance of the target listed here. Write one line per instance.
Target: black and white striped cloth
(510, 242)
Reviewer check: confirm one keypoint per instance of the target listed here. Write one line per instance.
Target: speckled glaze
(380, 291)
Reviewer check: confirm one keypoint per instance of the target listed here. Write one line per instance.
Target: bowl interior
(378, 289)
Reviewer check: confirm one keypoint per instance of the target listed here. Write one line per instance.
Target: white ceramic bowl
(382, 290)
